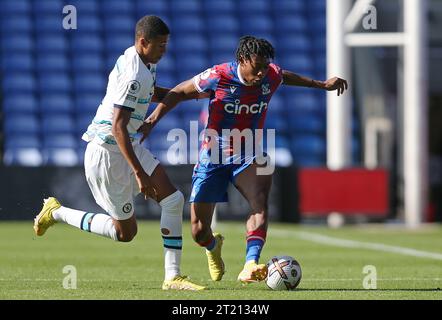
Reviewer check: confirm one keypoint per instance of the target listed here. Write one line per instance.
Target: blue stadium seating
(18, 62)
(52, 42)
(85, 7)
(54, 103)
(17, 24)
(65, 140)
(21, 103)
(15, 7)
(23, 141)
(57, 124)
(89, 82)
(20, 82)
(151, 7)
(16, 42)
(50, 70)
(48, 62)
(21, 124)
(54, 82)
(92, 42)
(88, 62)
(216, 7)
(116, 7)
(222, 25)
(54, 7)
(119, 23)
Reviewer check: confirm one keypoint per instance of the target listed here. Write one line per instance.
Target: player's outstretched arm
(293, 79)
(184, 91)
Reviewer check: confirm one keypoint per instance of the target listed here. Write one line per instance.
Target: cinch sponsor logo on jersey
(238, 108)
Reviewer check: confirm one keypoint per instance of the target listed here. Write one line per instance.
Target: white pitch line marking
(331, 241)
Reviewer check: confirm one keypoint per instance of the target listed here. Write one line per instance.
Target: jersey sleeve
(278, 73)
(128, 90)
(207, 80)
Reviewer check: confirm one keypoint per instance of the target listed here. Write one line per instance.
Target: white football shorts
(111, 179)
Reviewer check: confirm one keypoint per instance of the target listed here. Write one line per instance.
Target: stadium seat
(225, 42)
(82, 123)
(60, 141)
(21, 124)
(17, 62)
(27, 157)
(277, 105)
(63, 157)
(85, 7)
(168, 123)
(17, 24)
(52, 42)
(167, 80)
(57, 124)
(298, 104)
(262, 24)
(21, 82)
(21, 103)
(15, 7)
(49, 23)
(86, 43)
(89, 82)
(222, 25)
(277, 122)
(188, 24)
(183, 8)
(309, 144)
(151, 7)
(216, 7)
(116, 7)
(54, 7)
(218, 57)
(48, 62)
(298, 63)
(193, 64)
(88, 62)
(291, 23)
(90, 23)
(24, 140)
(289, 6)
(53, 103)
(166, 65)
(54, 82)
(16, 42)
(87, 103)
(191, 43)
(118, 43)
(118, 23)
(255, 6)
(293, 44)
(308, 124)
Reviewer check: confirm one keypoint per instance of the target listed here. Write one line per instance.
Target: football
(284, 273)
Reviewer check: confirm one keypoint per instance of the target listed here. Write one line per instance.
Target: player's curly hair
(149, 27)
(251, 46)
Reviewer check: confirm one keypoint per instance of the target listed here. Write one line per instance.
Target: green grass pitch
(32, 268)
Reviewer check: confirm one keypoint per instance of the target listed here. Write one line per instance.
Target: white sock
(171, 230)
(97, 223)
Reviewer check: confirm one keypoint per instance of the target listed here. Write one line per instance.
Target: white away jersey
(131, 86)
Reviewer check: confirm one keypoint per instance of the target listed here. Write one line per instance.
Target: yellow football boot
(44, 219)
(216, 263)
(181, 283)
(253, 272)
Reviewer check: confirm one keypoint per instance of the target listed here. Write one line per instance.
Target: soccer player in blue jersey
(240, 92)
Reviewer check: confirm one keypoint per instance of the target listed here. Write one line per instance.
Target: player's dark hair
(149, 27)
(251, 46)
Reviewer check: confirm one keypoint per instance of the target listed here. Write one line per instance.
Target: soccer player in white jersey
(117, 167)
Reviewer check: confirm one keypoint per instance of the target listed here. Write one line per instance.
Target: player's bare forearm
(184, 91)
(332, 84)
(119, 131)
(159, 94)
(293, 79)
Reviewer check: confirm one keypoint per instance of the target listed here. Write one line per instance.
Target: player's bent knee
(173, 203)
